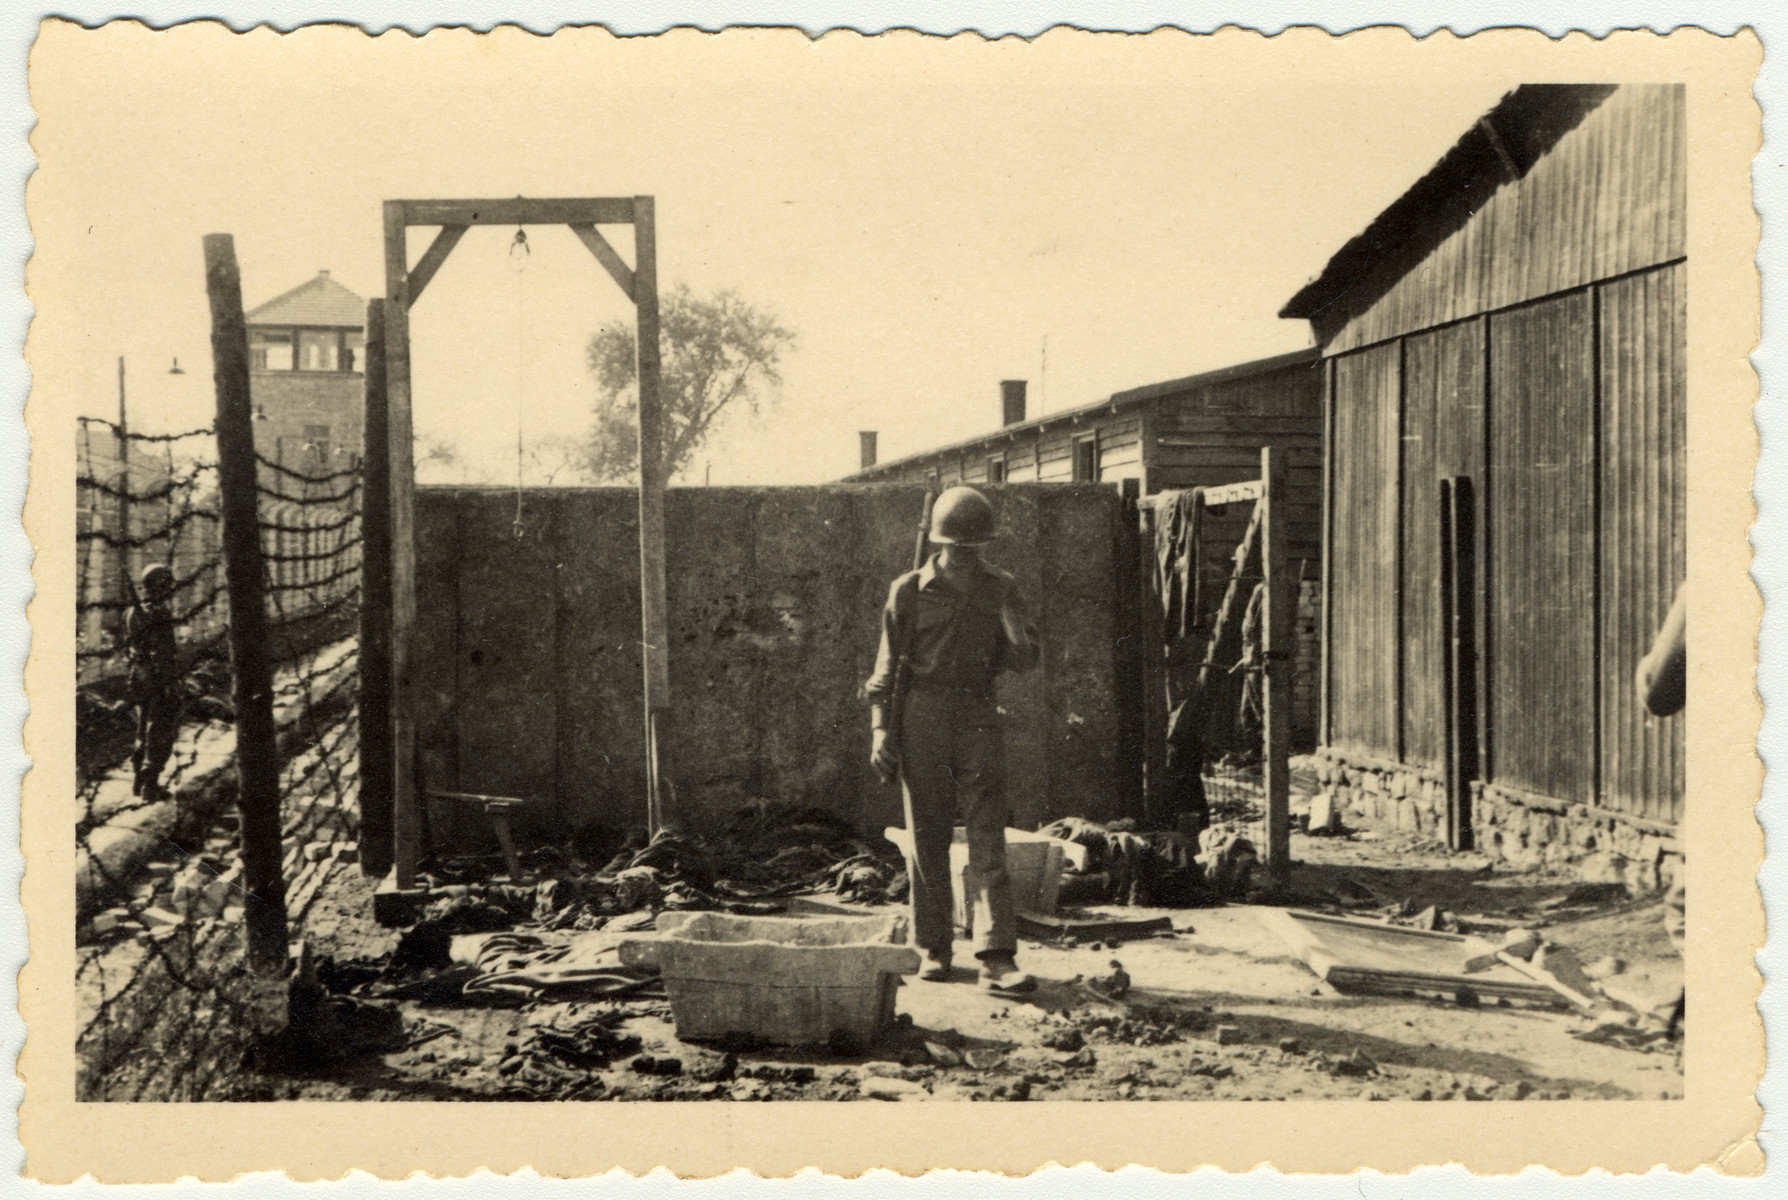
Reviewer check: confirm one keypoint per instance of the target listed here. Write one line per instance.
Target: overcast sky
(923, 215)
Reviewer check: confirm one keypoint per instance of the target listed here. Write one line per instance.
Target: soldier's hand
(884, 755)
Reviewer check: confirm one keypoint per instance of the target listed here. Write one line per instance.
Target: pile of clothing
(490, 943)
(767, 851)
(1155, 869)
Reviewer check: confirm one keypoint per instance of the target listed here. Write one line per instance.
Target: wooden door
(1459, 659)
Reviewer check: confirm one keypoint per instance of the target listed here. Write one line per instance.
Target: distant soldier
(154, 679)
(947, 630)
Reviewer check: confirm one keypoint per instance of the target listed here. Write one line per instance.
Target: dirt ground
(1218, 1009)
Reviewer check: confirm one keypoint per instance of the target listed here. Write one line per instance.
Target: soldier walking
(948, 629)
(154, 680)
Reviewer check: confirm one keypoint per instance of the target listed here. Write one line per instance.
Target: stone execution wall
(528, 666)
(1513, 826)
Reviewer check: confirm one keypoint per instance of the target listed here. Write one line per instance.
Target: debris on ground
(882, 1087)
(1112, 986)
(1356, 1065)
(1076, 925)
(1383, 959)
(1143, 1024)
(1605, 967)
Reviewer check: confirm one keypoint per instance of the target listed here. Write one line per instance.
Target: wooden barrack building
(1504, 366)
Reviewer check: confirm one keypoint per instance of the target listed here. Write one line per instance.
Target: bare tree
(718, 354)
(438, 460)
(557, 459)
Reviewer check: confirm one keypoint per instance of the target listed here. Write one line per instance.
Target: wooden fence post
(1277, 638)
(376, 763)
(127, 584)
(257, 753)
(661, 810)
(406, 803)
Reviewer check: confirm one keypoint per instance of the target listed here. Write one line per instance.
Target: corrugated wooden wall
(1609, 199)
(1542, 523)
(1443, 436)
(1559, 388)
(1644, 547)
(1363, 702)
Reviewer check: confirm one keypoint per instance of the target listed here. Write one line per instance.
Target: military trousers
(953, 768)
(158, 726)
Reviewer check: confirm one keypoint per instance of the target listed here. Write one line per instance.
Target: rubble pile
(506, 945)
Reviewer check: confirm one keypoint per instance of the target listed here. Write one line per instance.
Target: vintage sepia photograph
(902, 572)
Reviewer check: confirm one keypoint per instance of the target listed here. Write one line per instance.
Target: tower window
(270, 351)
(317, 349)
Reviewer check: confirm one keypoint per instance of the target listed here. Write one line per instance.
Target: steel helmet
(962, 517)
(156, 575)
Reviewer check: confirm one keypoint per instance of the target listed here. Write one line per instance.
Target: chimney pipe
(866, 449)
(1012, 402)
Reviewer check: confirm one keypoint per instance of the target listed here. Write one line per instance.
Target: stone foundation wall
(1601, 845)
(1374, 794)
(1519, 828)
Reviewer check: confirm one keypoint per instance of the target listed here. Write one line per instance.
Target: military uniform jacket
(951, 634)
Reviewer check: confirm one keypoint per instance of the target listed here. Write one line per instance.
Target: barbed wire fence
(167, 1006)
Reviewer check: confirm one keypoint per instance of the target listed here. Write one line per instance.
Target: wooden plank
(251, 666)
(432, 258)
(375, 608)
(1443, 403)
(1097, 928)
(654, 607)
(1133, 558)
(516, 211)
(1362, 591)
(1377, 959)
(1243, 439)
(1324, 727)
(406, 803)
(1277, 639)
(1194, 448)
(1271, 426)
(1643, 541)
(1232, 604)
(1542, 513)
(605, 254)
(1147, 428)
(1235, 493)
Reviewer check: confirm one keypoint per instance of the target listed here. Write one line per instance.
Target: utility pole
(127, 592)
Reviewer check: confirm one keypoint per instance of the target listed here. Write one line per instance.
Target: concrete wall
(528, 664)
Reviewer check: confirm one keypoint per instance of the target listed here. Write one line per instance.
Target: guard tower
(306, 351)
